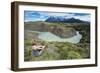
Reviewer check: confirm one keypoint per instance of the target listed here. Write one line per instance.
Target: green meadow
(57, 50)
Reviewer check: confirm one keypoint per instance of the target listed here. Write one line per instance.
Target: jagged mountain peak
(62, 19)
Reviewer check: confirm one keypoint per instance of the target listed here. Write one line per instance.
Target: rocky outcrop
(63, 32)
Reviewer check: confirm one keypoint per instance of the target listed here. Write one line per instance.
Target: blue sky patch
(43, 15)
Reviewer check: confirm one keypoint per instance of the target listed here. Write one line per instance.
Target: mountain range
(62, 19)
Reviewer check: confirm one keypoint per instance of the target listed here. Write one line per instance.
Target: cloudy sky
(42, 16)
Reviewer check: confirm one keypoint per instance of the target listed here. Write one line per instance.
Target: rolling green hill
(56, 50)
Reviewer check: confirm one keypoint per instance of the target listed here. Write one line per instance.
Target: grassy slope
(58, 50)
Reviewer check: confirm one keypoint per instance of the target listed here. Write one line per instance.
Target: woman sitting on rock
(37, 49)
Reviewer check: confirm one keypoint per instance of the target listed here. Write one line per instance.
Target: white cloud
(84, 18)
(44, 15)
(55, 14)
(67, 15)
(81, 17)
